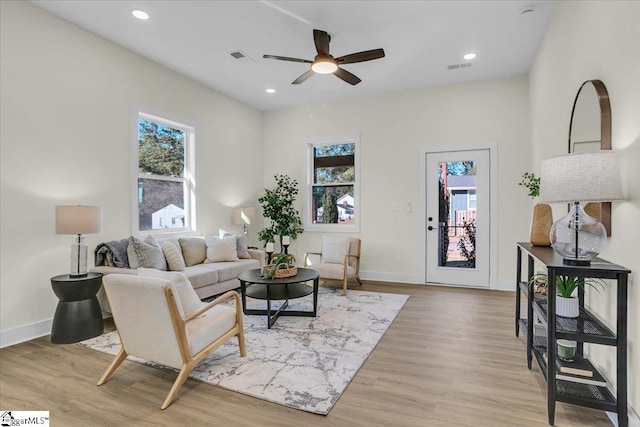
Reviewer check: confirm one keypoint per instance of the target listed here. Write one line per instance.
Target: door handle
(429, 228)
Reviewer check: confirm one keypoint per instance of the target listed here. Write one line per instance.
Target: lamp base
(76, 276)
(577, 237)
(78, 258)
(580, 262)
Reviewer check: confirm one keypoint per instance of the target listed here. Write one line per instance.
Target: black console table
(586, 328)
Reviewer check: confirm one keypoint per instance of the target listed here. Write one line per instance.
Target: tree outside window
(163, 191)
(333, 201)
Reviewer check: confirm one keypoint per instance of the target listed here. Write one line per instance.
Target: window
(333, 193)
(165, 187)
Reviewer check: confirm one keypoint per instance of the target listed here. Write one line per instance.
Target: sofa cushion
(231, 270)
(200, 276)
(194, 250)
(173, 255)
(148, 253)
(220, 250)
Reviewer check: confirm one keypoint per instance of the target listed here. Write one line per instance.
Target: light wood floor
(449, 359)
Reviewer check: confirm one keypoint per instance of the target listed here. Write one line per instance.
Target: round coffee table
(252, 285)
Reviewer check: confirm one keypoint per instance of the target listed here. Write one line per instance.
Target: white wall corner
(10, 337)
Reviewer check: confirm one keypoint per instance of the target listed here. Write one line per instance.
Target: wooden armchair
(161, 319)
(339, 260)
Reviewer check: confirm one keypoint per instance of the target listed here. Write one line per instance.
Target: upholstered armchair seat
(339, 260)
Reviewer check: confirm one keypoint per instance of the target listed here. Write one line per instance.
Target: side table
(78, 315)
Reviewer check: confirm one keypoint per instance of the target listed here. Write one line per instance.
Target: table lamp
(575, 178)
(78, 220)
(244, 217)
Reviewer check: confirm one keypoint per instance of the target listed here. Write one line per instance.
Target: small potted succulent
(567, 305)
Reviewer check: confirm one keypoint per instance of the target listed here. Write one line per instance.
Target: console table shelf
(586, 328)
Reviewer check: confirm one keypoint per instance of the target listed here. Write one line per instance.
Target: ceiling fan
(324, 63)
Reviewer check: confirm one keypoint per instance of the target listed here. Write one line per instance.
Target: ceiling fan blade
(303, 77)
(321, 38)
(367, 55)
(286, 58)
(347, 76)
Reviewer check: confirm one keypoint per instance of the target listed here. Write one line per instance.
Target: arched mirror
(590, 129)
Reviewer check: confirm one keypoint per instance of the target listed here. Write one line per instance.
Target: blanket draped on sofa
(116, 251)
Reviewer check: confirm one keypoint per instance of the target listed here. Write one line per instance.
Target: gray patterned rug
(301, 362)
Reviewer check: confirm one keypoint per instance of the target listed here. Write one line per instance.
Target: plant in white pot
(542, 218)
(567, 304)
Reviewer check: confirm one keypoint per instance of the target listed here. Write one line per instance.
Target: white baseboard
(378, 276)
(24, 333)
(634, 420)
(504, 285)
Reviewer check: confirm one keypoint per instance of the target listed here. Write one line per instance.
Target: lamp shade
(78, 219)
(587, 177)
(244, 216)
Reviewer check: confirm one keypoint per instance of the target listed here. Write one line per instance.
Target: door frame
(493, 205)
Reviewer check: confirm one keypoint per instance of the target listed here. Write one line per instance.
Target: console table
(586, 328)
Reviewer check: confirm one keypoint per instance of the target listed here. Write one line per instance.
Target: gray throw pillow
(149, 253)
(194, 250)
(242, 245)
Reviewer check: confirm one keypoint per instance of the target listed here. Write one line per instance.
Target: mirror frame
(605, 136)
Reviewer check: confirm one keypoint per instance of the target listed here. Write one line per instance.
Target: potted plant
(277, 206)
(567, 304)
(542, 218)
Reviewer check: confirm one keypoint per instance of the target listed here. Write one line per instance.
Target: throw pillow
(173, 254)
(194, 250)
(131, 254)
(149, 253)
(242, 245)
(334, 249)
(187, 297)
(219, 250)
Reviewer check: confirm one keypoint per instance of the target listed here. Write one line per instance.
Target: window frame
(308, 209)
(188, 179)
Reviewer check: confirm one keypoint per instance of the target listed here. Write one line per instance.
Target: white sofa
(207, 278)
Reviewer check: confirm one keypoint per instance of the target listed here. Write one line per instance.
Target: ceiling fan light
(324, 66)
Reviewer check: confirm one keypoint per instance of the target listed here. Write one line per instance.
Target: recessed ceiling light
(140, 14)
(270, 90)
(469, 56)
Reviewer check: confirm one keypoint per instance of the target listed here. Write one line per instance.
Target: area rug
(301, 362)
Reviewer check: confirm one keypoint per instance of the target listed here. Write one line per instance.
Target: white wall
(393, 129)
(598, 40)
(69, 104)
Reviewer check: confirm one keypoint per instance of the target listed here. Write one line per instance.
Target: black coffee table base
(275, 291)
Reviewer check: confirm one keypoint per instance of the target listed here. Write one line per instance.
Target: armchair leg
(243, 350)
(114, 365)
(344, 286)
(358, 279)
(182, 377)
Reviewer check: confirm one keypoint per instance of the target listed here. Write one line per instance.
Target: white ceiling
(420, 38)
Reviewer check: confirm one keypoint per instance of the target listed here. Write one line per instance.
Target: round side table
(78, 315)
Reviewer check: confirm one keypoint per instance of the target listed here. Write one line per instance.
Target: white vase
(567, 307)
